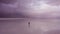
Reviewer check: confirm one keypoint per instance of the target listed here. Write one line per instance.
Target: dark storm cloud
(7, 1)
(7, 12)
(12, 8)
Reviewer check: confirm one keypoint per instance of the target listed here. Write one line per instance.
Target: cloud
(10, 6)
(53, 2)
(10, 10)
(8, 1)
(31, 8)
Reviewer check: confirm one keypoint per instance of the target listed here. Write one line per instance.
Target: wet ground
(37, 26)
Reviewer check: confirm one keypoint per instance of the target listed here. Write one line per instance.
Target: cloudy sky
(31, 8)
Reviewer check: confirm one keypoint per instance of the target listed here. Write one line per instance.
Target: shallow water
(37, 26)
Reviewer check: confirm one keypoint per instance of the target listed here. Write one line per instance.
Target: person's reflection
(29, 24)
(53, 32)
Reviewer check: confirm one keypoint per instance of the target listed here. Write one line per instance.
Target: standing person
(29, 24)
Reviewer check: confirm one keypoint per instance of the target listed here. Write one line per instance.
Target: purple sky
(31, 8)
